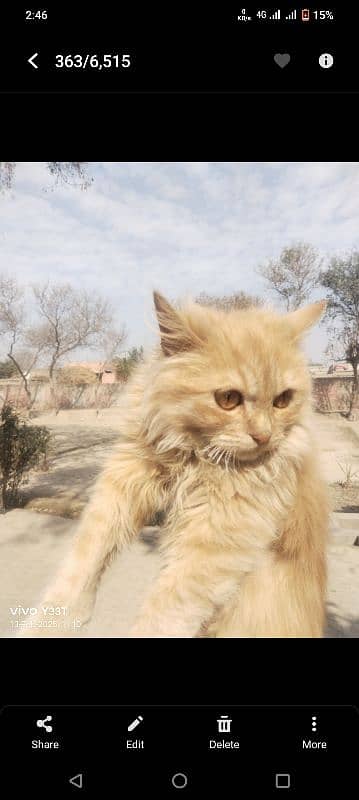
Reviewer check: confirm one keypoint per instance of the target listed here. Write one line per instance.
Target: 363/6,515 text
(93, 61)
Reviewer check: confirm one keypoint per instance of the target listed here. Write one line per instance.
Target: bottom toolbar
(56, 751)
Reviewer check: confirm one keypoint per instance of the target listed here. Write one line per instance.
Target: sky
(180, 227)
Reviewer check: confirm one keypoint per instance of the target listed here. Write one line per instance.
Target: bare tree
(74, 173)
(19, 349)
(341, 279)
(110, 346)
(230, 302)
(351, 350)
(72, 319)
(293, 275)
(7, 171)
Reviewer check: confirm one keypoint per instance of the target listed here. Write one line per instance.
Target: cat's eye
(228, 398)
(282, 400)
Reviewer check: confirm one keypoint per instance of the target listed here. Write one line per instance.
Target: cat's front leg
(285, 596)
(125, 496)
(184, 597)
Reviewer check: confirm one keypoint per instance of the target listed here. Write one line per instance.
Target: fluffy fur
(246, 512)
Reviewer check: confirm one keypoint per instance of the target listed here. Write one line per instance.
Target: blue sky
(180, 227)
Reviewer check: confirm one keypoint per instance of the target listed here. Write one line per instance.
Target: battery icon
(305, 15)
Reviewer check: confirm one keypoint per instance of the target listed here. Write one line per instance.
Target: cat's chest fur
(246, 507)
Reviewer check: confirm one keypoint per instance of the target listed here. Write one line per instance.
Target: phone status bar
(302, 15)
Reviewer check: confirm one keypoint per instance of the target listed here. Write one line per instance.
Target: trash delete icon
(224, 724)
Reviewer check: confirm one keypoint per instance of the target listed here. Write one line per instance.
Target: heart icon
(282, 59)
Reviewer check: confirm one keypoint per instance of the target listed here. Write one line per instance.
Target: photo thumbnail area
(179, 399)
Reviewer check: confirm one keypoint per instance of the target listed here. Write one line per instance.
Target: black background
(270, 112)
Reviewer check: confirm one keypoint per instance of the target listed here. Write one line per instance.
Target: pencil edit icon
(135, 723)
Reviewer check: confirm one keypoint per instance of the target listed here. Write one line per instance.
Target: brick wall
(333, 392)
(330, 393)
(87, 396)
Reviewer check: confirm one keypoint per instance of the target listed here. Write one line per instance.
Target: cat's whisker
(220, 456)
(214, 453)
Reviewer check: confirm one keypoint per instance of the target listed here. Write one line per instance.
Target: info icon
(326, 60)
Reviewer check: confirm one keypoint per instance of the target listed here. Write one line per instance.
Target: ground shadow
(57, 483)
(339, 627)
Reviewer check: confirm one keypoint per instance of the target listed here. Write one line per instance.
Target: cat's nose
(261, 438)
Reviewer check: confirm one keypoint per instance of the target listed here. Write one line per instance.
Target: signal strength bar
(276, 15)
(292, 15)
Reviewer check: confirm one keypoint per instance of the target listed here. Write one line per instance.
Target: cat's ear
(301, 320)
(176, 334)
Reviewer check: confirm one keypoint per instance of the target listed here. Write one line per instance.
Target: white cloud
(180, 226)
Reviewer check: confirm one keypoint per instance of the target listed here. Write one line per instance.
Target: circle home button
(179, 780)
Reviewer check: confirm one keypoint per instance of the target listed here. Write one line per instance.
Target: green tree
(341, 279)
(124, 365)
(21, 447)
(7, 369)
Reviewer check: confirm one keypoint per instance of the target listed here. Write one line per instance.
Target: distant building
(316, 368)
(104, 373)
(340, 366)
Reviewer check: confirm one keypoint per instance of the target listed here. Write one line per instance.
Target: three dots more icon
(314, 724)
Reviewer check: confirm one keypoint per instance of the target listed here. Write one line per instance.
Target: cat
(216, 431)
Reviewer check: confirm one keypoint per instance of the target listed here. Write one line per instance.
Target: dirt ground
(80, 442)
(32, 544)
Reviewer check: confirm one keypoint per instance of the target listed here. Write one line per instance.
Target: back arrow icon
(77, 780)
(32, 62)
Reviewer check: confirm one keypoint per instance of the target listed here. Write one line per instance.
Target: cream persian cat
(215, 429)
